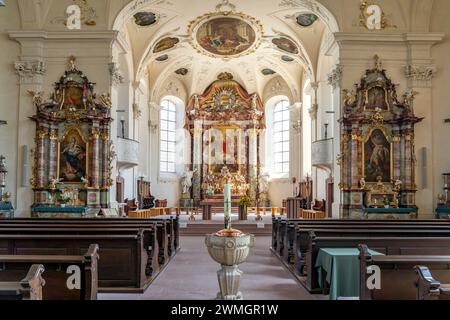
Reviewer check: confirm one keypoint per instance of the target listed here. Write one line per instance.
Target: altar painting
(229, 138)
(376, 99)
(377, 157)
(73, 157)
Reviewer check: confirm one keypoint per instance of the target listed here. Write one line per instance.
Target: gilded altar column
(105, 160)
(253, 161)
(94, 174)
(41, 182)
(409, 161)
(197, 160)
(53, 155)
(396, 147)
(356, 170)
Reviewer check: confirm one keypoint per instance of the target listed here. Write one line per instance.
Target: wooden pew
(173, 237)
(58, 270)
(295, 255)
(29, 288)
(129, 260)
(384, 245)
(398, 278)
(428, 288)
(284, 238)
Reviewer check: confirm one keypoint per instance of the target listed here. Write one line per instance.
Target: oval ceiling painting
(228, 36)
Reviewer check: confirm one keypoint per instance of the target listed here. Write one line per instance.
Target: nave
(191, 275)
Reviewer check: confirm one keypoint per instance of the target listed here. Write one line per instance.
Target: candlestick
(227, 205)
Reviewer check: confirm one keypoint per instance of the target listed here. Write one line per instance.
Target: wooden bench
(428, 288)
(384, 245)
(129, 259)
(29, 288)
(398, 278)
(58, 273)
(173, 238)
(295, 256)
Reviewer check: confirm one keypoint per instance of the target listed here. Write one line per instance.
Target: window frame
(283, 122)
(167, 106)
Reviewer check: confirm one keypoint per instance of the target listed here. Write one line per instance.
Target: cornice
(348, 37)
(22, 35)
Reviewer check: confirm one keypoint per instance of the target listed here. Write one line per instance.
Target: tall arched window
(168, 136)
(281, 137)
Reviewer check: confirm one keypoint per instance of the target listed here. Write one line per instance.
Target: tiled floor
(191, 275)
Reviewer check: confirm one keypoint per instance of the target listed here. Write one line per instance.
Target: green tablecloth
(342, 268)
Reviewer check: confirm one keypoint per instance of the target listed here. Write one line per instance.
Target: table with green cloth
(342, 268)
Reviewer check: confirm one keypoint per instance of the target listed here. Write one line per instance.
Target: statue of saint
(186, 181)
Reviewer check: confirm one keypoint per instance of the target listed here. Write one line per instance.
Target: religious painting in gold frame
(229, 35)
(376, 98)
(377, 156)
(73, 155)
(234, 164)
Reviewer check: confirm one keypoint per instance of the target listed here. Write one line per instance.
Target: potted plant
(386, 202)
(63, 201)
(244, 203)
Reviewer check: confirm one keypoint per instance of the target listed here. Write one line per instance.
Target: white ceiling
(174, 19)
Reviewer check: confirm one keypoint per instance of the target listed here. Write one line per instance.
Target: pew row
(428, 288)
(128, 259)
(397, 276)
(171, 223)
(29, 288)
(398, 246)
(66, 277)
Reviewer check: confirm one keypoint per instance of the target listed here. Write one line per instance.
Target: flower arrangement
(245, 201)
(63, 201)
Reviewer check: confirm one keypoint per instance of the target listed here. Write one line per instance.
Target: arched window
(281, 137)
(168, 137)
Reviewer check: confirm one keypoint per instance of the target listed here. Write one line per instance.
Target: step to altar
(202, 228)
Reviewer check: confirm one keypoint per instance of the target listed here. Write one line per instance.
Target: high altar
(377, 149)
(73, 156)
(225, 124)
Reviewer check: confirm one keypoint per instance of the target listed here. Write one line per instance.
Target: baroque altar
(377, 148)
(73, 157)
(225, 124)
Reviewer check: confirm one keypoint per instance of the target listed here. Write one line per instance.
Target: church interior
(266, 149)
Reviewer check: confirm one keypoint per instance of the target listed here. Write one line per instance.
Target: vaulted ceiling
(171, 19)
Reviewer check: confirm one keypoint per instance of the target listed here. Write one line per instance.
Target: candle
(227, 205)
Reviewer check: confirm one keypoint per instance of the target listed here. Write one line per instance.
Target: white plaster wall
(9, 93)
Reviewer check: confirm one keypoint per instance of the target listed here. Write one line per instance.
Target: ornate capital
(31, 71)
(137, 111)
(335, 77)
(421, 75)
(116, 76)
(313, 111)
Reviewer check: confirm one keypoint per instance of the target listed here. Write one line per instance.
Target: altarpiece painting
(377, 147)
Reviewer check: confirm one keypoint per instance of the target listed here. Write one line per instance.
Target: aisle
(191, 275)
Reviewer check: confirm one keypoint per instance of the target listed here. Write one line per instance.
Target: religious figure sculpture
(186, 181)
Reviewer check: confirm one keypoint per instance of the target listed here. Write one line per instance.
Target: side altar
(225, 123)
(73, 156)
(377, 156)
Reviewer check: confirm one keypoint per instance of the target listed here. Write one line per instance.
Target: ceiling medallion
(162, 58)
(225, 34)
(267, 72)
(182, 71)
(145, 19)
(306, 19)
(287, 59)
